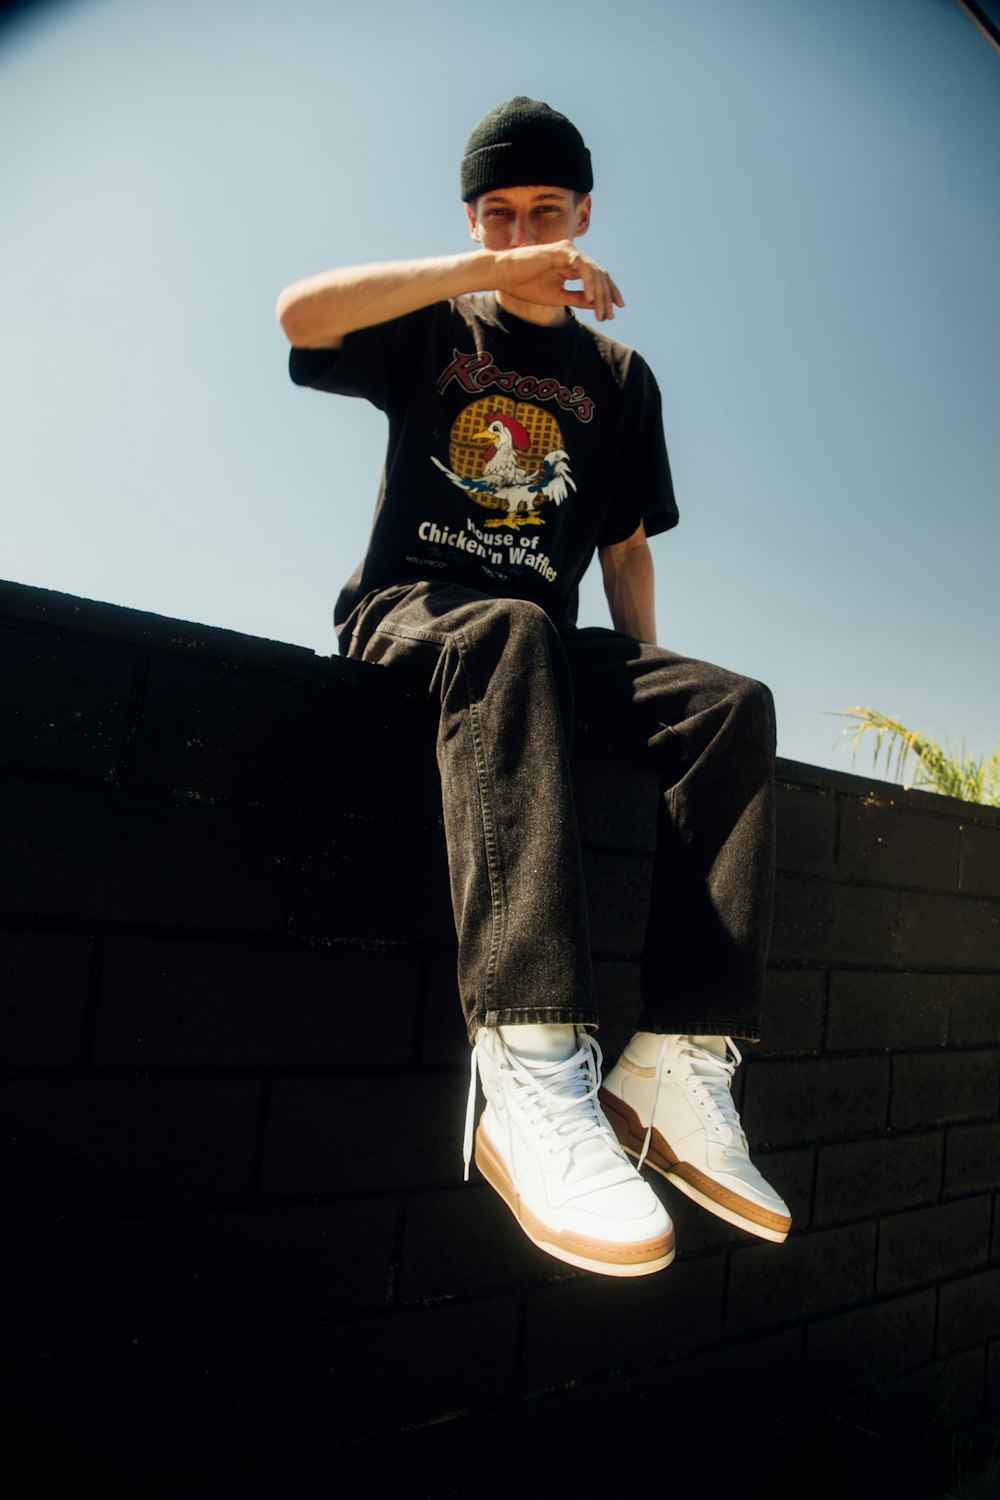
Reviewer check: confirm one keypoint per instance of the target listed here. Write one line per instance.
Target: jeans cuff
(662, 1025)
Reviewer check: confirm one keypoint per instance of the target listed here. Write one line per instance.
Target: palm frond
(953, 774)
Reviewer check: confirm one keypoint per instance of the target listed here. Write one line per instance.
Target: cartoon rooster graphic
(504, 485)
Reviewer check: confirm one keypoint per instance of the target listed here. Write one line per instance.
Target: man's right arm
(320, 311)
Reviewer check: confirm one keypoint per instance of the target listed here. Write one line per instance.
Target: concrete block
(204, 1275)
(927, 1243)
(975, 1010)
(221, 732)
(43, 995)
(993, 1376)
(887, 1012)
(372, 880)
(373, 754)
(934, 1088)
(593, 1325)
(821, 922)
(125, 1143)
(373, 1135)
(31, 1256)
(871, 1344)
(791, 1173)
(969, 1311)
(177, 1002)
(964, 1385)
(66, 704)
(464, 1241)
(359, 1467)
(91, 854)
(889, 844)
(959, 932)
(806, 1276)
(920, 1420)
(806, 829)
(123, 1426)
(972, 1161)
(436, 1460)
(443, 1036)
(301, 1390)
(794, 1003)
(788, 1103)
(863, 1179)
(673, 1413)
(980, 859)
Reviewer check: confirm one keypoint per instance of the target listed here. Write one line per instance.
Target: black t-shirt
(514, 449)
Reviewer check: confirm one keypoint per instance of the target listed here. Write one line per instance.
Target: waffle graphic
(468, 458)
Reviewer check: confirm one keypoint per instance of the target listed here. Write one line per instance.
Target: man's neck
(533, 312)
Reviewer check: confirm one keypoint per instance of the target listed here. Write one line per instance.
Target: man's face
(509, 217)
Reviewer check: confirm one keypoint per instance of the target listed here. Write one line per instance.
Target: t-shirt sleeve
(372, 363)
(644, 488)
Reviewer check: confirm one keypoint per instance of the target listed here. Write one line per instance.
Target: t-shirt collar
(511, 323)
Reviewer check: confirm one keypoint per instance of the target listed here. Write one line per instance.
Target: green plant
(937, 770)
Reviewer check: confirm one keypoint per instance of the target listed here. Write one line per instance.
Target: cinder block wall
(238, 1253)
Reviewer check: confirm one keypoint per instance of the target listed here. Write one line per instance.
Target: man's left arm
(628, 584)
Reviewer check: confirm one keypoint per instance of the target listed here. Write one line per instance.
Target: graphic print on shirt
(508, 459)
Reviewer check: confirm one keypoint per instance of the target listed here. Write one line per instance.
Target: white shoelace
(563, 1094)
(712, 1079)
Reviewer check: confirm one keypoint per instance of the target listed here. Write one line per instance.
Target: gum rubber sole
(605, 1257)
(719, 1200)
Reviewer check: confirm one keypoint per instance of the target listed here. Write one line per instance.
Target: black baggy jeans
(509, 684)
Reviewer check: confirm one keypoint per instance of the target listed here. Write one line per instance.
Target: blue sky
(799, 201)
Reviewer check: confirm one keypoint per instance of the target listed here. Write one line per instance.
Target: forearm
(318, 312)
(629, 587)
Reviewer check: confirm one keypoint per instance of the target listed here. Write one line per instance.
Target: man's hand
(538, 274)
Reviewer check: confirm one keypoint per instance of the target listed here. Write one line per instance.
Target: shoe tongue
(542, 1044)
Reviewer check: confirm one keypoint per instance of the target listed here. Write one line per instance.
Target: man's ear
(473, 222)
(582, 216)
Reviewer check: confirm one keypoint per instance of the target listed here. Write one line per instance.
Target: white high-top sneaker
(679, 1116)
(547, 1149)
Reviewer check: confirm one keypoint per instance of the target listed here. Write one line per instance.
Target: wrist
(484, 269)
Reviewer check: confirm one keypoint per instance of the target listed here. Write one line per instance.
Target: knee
(518, 623)
(524, 615)
(755, 704)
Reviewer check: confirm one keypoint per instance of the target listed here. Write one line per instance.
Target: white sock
(644, 1048)
(542, 1043)
(714, 1044)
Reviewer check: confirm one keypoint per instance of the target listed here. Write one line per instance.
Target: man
(519, 442)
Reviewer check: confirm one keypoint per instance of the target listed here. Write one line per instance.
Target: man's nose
(522, 232)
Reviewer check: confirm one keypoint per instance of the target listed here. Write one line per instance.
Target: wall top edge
(27, 605)
(872, 789)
